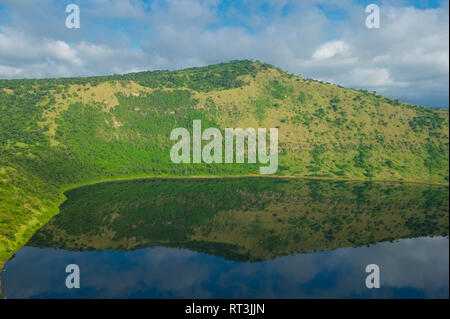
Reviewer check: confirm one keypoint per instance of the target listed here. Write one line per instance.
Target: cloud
(60, 50)
(407, 58)
(10, 71)
(331, 49)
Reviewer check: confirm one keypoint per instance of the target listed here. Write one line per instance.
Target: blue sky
(406, 58)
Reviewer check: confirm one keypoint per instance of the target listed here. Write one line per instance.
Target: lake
(239, 238)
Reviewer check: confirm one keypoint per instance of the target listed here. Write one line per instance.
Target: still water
(239, 238)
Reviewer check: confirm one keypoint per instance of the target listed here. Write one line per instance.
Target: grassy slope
(58, 133)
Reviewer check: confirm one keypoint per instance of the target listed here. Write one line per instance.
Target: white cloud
(372, 77)
(60, 50)
(8, 71)
(331, 49)
(15, 45)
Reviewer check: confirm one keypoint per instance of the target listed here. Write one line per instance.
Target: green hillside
(59, 133)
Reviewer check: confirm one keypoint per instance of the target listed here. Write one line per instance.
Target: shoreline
(2, 263)
(68, 187)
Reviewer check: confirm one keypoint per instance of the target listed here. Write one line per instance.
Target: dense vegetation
(59, 133)
(244, 219)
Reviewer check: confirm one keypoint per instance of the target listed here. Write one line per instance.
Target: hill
(59, 133)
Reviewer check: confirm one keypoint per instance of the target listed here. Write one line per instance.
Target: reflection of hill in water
(245, 219)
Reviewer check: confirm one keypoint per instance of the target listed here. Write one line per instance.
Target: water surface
(239, 238)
